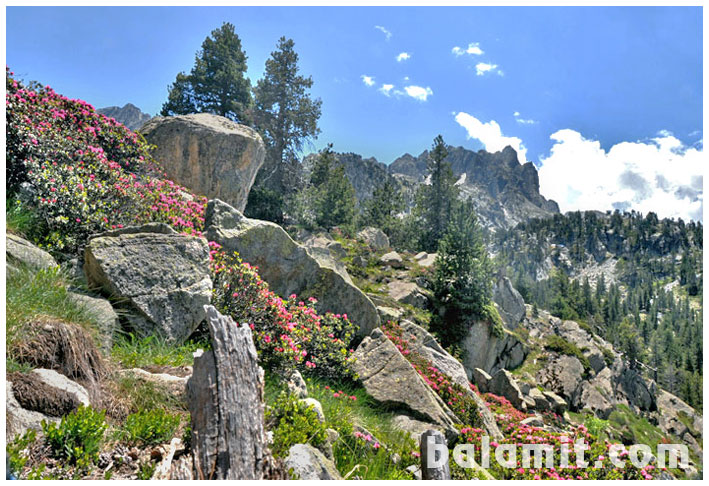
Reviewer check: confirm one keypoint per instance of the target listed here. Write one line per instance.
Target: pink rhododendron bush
(289, 333)
(81, 173)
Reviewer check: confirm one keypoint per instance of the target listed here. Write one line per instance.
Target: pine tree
(435, 199)
(382, 209)
(462, 281)
(287, 118)
(217, 83)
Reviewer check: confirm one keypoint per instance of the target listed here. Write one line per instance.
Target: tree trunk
(225, 398)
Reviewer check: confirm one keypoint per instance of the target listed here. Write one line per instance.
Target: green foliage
(462, 279)
(217, 83)
(77, 438)
(135, 352)
(150, 427)
(20, 220)
(434, 201)
(286, 116)
(146, 470)
(294, 423)
(17, 458)
(138, 394)
(382, 209)
(560, 345)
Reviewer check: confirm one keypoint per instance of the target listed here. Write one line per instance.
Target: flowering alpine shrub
(455, 396)
(82, 173)
(289, 333)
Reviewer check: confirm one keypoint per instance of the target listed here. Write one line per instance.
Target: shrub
(81, 173)
(77, 438)
(557, 343)
(150, 427)
(293, 422)
(16, 451)
(288, 333)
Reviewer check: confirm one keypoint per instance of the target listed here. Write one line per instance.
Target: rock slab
(308, 463)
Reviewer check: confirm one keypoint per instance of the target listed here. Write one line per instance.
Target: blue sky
(582, 81)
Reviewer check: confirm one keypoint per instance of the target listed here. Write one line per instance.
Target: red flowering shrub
(289, 333)
(82, 173)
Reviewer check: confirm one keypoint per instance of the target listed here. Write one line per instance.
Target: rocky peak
(129, 115)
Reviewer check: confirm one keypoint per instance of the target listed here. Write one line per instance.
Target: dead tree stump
(225, 399)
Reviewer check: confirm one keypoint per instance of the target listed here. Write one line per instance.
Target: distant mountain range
(504, 192)
(129, 115)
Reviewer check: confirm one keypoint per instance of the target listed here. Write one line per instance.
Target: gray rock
(503, 384)
(408, 293)
(562, 374)
(431, 456)
(129, 115)
(60, 382)
(296, 385)
(19, 251)
(678, 418)
(209, 154)
(375, 238)
(162, 280)
(392, 259)
(596, 395)
(104, 315)
(486, 351)
(533, 421)
(308, 463)
(175, 384)
(636, 390)
(509, 302)
(287, 266)
(359, 261)
(19, 420)
(481, 379)
(390, 379)
(556, 403)
(415, 471)
(414, 427)
(425, 259)
(541, 402)
(316, 406)
(389, 313)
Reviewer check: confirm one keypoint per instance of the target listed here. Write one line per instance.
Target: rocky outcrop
(20, 252)
(562, 374)
(408, 293)
(159, 277)
(596, 395)
(678, 418)
(503, 384)
(209, 154)
(509, 303)
(390, 379)
(129, 115)
(489, 352)
(307, 463)
(375, 238)
(287, 266)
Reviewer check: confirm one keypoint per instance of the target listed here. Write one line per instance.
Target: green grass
(19, 220)
(39, 296)
(134, 352)
(637, 428)
(138, 395)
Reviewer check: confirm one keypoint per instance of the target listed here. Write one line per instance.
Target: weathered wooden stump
(225, 399)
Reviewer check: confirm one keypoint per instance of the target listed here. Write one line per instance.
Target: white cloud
(386, 89)
(384, 30)
(368, 80)
(482, 68)
(403, 57)
(524, 121)
(660, 175)
(418, 92)
(490, 135)
(473, 49)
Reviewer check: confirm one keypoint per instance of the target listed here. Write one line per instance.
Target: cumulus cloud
(368, 80)
(418, 92)
(661, 175)
(490, 135)
(524, 121)
(384, 31)
(483, 68)
(386, 89)
(473, 49)
(403, 57)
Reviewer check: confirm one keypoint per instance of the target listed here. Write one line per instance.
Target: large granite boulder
(307, 463)
(287, 266)
(562, 375)
(596, 395)
(103, 314)
(509, 303)
(593, 347)
(375, 238)
(209, 154)
(503, 384)
(159, 277)
(390, 379)
(426, 345)
(489, 352)
(392, 259)
(19, 251)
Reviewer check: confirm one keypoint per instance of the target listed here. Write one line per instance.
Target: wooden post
(225, 399)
